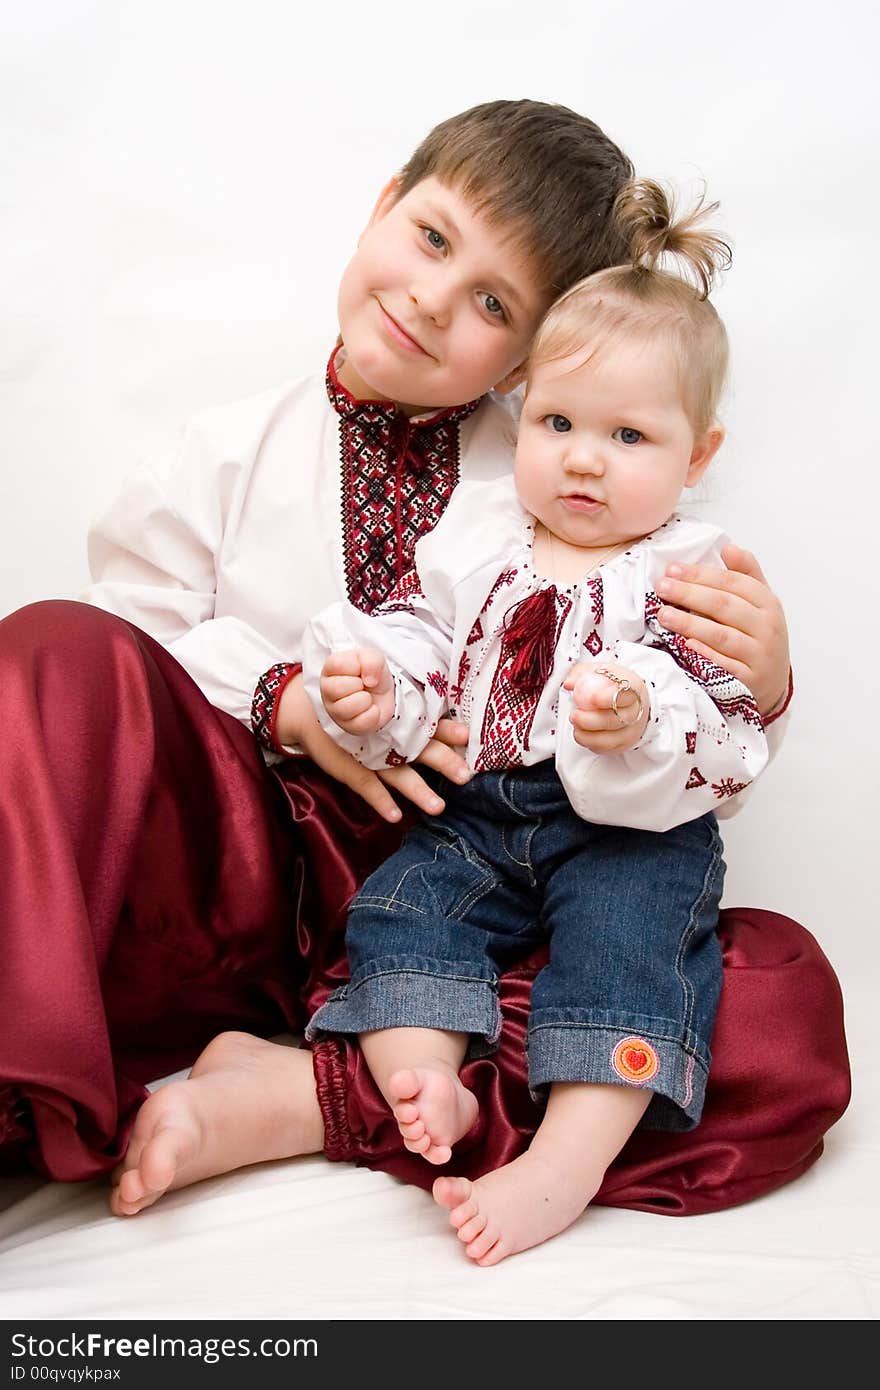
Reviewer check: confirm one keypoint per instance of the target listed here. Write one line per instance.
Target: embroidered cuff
(267, 696)
(782, 706)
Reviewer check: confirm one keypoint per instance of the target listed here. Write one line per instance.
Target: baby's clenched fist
(358, 690)
(593, 718)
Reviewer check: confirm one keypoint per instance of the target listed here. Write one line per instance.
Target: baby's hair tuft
(647, 217)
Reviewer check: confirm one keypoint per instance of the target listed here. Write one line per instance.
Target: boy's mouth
(581, 502)
(399, 334)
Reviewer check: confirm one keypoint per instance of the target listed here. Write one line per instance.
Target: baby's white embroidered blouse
(445, 632)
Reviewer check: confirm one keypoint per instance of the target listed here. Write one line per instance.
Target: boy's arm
(731, 617)
(152, 561)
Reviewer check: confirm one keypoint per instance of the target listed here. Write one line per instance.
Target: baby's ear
(705, 449)
(512, 380)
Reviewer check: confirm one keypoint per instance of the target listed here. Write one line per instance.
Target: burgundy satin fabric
(159, 886)
(146, 889)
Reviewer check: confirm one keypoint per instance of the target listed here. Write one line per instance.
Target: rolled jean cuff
(453, 999)
(578, 1050)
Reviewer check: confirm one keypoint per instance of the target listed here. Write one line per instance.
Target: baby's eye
(435, 239)
(494, 306)
(627, 436)
(560, 424)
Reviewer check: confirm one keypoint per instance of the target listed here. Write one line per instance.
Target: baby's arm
(695, 752)
(412, 642)
(357, 690)
(702, 740)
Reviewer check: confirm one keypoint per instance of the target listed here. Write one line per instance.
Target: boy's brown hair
(544, 171)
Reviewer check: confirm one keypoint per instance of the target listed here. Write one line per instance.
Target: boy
(164, 867)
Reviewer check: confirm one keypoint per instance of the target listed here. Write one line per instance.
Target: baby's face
(606, 446)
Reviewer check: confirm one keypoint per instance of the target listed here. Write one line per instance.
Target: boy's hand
(732, 618)
(607, 717)
(358, 690)
(297, 726)
(438, 753)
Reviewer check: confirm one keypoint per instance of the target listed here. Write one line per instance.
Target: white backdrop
(183, 182)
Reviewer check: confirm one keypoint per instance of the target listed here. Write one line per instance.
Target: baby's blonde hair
(642, 299)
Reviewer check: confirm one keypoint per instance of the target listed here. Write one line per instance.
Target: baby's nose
(585, 458)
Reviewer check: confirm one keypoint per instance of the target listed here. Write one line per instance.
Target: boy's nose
(432, 300)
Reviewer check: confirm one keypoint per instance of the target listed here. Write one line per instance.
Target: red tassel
(530, 631)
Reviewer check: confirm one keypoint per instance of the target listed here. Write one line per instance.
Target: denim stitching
(491, 983)
(687, 987)
(689, 1083)
(607, 1027)
(462, 905)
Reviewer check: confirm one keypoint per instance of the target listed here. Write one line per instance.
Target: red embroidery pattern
(597, 598)
(731, 697)
(727, 787)
(690, 742)
(457, 688)
(393, 759)
(264, 705)
(510, 711)
(696, 779)
(505, 577)
(398, 601)
(593, 643)
(397, 477)
(475, 633)
(437, 681)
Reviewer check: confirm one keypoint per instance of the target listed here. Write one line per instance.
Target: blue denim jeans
(631, 987)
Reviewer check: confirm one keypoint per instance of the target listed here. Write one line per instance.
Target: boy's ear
(386, 200)
(705, 449)
(513, 379)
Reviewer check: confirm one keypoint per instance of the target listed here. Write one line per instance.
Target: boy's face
(436, 306)
(606, 446)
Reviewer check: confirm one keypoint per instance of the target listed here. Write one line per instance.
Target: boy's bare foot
(432, 1109)
(518, 1206)
(245, 1101)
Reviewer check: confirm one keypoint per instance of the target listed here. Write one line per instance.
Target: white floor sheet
(308, 1239)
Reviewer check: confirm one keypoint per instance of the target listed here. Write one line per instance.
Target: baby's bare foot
(518, 1206)
(245, 1101)
(432, 1109)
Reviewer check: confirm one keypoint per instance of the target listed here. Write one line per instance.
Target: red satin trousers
(158, 885)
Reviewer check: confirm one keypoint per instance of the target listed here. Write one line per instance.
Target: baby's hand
(358, 690)
(597, 726)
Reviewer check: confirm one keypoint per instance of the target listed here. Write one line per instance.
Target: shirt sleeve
(697, 753)
(152, 559)
(704, 743)
(415, 636)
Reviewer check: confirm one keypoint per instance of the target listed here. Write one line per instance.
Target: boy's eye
(493, 306)
(627, 436)
(435, 239)
(560, 424)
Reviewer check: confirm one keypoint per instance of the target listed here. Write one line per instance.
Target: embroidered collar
(350, 408)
